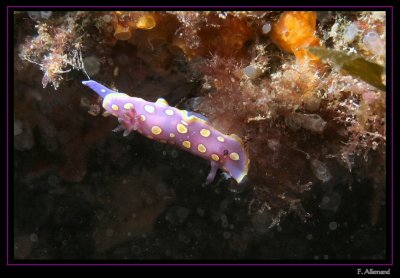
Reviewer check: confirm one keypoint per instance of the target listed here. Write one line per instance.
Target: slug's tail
(101, 90)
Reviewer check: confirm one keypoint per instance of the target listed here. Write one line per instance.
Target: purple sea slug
(187, 130)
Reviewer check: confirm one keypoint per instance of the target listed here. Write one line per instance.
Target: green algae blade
(354, 65)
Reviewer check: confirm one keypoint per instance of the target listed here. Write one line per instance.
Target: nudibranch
(187, 130)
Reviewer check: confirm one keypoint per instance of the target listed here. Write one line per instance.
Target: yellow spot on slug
(215, 157)
(186, 144)
(149, 108)
(114, 107)
(128, 106)
(184, 113)
(142, 118)
(156, 130)
(234, 156)
(172, 135)
(169, 112)
(150, 137)
(181, 128)
(201, 148)
(205, 132)
(221, 139)
(161, 101)
(106, 113)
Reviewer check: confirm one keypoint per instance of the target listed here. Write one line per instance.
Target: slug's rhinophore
(187, 130)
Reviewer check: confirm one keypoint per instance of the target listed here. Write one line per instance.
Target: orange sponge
(294, 31)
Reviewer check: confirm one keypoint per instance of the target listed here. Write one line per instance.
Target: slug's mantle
(189, 131)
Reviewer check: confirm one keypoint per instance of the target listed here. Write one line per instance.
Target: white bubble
(46, 14)
(34, 15)
(312, 122)
(374, 43)
(107, 18)
(227, 235)
(92, 65)
(351, 33)
(266, 28)
(224, 218)
(320, 170)
(252, 71)
(333, 226)
(33, 237)
(273, 144)
(174, 154)
(331, 201)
